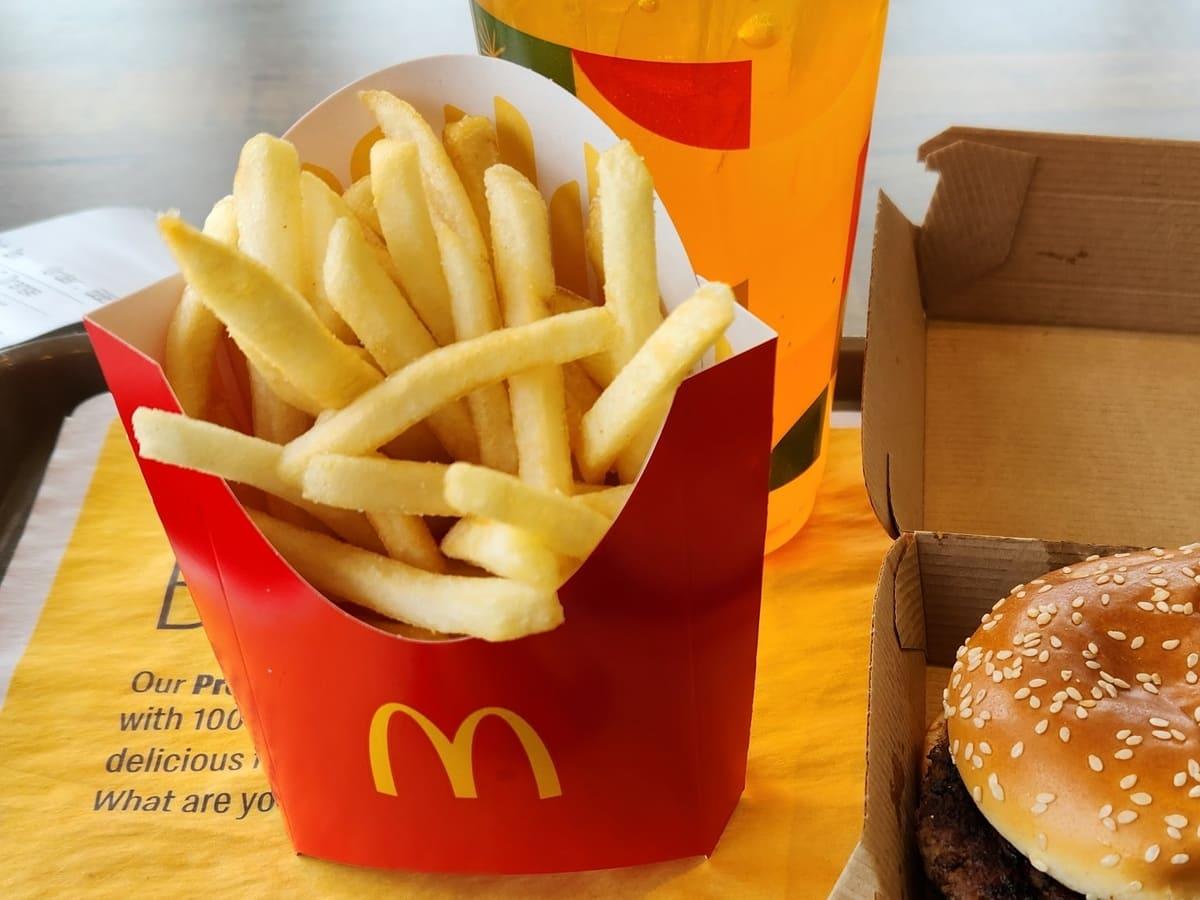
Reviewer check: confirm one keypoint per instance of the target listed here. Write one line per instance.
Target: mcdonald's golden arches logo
(456, 752)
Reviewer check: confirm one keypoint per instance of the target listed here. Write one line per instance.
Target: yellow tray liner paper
(124, 768)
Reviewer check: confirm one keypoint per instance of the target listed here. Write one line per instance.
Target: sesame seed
(1077, 602)
(1041, 726)
(1136, 643)
(1159, 582)
(1064, 734)
(1176, 821)
(1123, 753)
(1123, 733)
(1095, 763)
(1152, 853)
(1128, 782)
(1175, 833)
(1161, 734)
(994, 786)
(1017, 749)
(1134, 740)
(977, 793)
(1180, 779)
(1045, 798)
(1077, 618)
(1038, 808)
(1117, 635)
(1110, 860)
(1126, 816)
(1159, 722)
(1155, 570)
(1171, 644)
(1105, 811)
(1141, 798)
(1179, 859)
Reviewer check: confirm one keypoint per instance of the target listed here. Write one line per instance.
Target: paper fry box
(1031, 368)
(620, 737)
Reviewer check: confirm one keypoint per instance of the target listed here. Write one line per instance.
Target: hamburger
(1067, 760)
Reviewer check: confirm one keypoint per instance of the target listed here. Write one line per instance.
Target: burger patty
(965, 857)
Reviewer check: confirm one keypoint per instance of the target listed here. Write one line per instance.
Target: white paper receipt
(54, 272)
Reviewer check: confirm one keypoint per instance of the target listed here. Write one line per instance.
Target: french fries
(448, 373)
(260, 311)
(447, 196)
(267, 201)
(563, 525)
(195, 333)
(628, 404)
(409, 367)
(361, 201)
(379, 314)
(504, 550)
(408, 231)
(525, 278)
(626, 196)
(178, 440)
(473, 305)
(494, 609)
(471, 144)
(377, 484)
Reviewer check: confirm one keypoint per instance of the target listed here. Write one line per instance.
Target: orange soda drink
(754, 117)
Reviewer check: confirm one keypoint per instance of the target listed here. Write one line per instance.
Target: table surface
(146, 102)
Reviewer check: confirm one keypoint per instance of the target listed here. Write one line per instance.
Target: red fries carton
(618, 738)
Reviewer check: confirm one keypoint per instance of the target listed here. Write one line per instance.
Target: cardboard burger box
(1030, 398)
(618, 738)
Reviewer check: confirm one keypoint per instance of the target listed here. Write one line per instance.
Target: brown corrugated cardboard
(1032, 351)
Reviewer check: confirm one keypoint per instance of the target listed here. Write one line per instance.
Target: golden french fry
(408, 231)
(193, 444)
(266, 370)
(608, 501)
(599, 367)
(471, 145)
(361, 201)
(494, 609)
(321, 208)
(558, 521)
(633, 456)
(445, 192)
(266, 192)
(375, 484)
(567, 240)
(581, 394)
(262, 312)
(525, 279)
(626, 197)
(663, 361)
(593, 240)
(473, 305)
(448, 373)
(380, 315)
(504, 550)
(515, 139)
(408, 540)
(195, 333)
(565, 300)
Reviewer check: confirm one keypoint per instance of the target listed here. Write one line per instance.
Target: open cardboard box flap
(1041, 326)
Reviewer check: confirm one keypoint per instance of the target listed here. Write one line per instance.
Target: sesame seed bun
(1073, 716)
